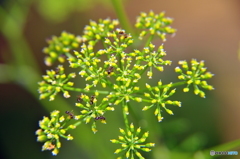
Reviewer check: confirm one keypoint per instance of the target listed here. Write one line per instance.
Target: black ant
(100, 118)
(63, 56)
(123, 33)
(57, 70)
(71, 115)
(79, 99)
(110, 70)
(91, 99)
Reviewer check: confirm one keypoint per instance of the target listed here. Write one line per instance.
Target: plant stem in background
(122, 16)
(12, 29)
(224, 147)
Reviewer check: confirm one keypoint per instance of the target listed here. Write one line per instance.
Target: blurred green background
(207, 30)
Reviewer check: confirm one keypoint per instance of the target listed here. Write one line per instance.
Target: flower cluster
(120, 41)
(132, 143)
(195, 75)
(50, 131)
(99, 30)
(87, 60)
(55, 81)
(151, 57)
(158, 97)
(92, 110)
(154, 24)
(60, 47)
(92, 69)
(117, 68)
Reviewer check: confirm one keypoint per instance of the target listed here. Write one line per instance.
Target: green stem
(135, 116)
(103, 43)
(121, 14)
(85, 91)
(224, 147)
(134, 84)
(125, 115)
(175, 84)
(149, 40)
(13, 32)
(163, 86)
(143, 69)
(76, 124)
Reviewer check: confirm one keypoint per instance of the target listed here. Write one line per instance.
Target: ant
(91, 99)
(71, 115)
(100, 118)
(57, 70)
(79, 99)
(123, 33)
(110, 70)
(63, 56)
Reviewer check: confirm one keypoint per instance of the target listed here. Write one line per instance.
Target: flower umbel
(93, 110)
(151, 58)
(158, 97)
(55, 81)
(51, 129)
(154, 24)
(60, 47)
(195, 75)
(99, 30)
(131, 142)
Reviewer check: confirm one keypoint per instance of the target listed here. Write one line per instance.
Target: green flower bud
(42, 138)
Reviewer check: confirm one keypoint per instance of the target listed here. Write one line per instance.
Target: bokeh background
(206, 30)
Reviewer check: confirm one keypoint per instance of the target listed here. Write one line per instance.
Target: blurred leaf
(5, 75)
(193, 142)
(177, 126)
(60, 10)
